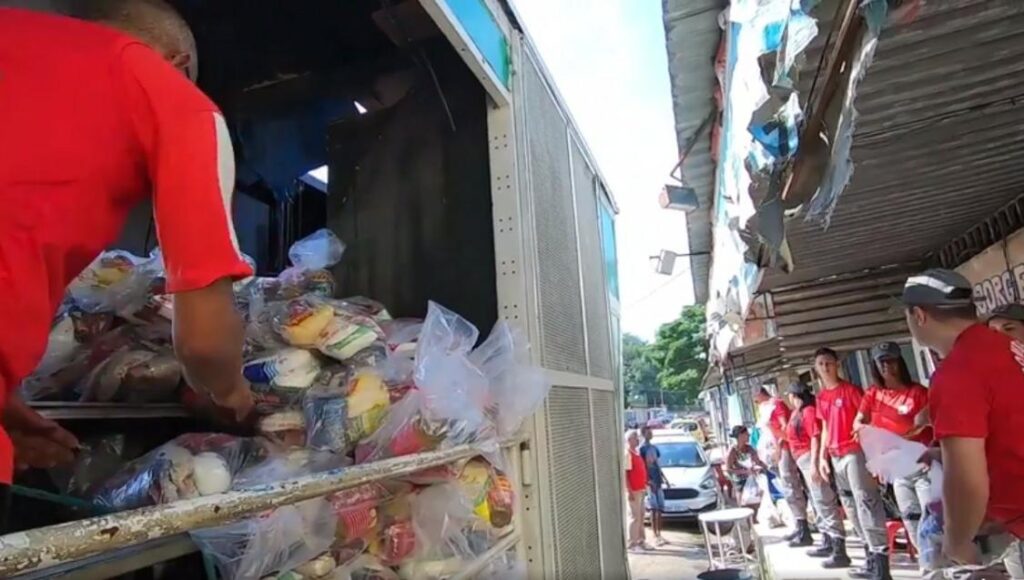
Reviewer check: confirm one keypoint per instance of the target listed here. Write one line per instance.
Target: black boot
(825, 549)
(868, 571)
(881, 566)
(803, 535)
(839, 558)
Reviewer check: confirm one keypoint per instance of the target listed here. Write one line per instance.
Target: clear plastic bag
(348, 334)
(751, 492)
(889, 456)
(282, 379)
(442, 518)
(62, 364)
(319, 250)
(281, 539)
(517, 388)
(190, 466)
(134, 375)
(96, 461)
(109, 283)
(326, 413)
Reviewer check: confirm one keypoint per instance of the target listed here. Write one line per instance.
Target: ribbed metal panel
(607, 446)
(595, 294)
(692, 37)
(561, 306)
(573, 483)
(938, 142)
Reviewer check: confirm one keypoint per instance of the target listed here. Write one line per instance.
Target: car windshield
(680, 454)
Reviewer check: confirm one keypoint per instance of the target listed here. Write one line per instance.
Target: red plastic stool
(892, 530)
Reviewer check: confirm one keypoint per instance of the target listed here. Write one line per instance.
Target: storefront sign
(997, 274)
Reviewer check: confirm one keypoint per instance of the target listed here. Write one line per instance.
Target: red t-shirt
(636, 477)
(978, 392)
(837, 408)
(895, 409)
(777, 420)
(800, 440)
(91, 122)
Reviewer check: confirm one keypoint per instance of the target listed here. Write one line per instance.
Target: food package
(286, 428)
(282, 379)
(326, 415)
(489, 491)
(346, 335)
(357, 510)
(367, 567)
(367, 403)
(64, 361)
(108, 283)
(96, 461)
(404, 431)
(190, 466)
(308, 275)
(134, 376)
(441, 517)
(276, 541)
(300, 322)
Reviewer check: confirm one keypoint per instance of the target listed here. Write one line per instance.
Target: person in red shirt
(899, 405)
(796, 497)
(838, 403)
(95, 116)
(976, 400)
(1009, 320)
(636, 489)
(801, 430)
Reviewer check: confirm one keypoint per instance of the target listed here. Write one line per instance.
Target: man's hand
(931, 455)
(966, 553)
(824, 470)
(816, 472)
(238, 401)
(38, 441)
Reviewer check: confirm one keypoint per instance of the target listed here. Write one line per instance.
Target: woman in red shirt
(802, 427)
(899, 405)
(636, 488)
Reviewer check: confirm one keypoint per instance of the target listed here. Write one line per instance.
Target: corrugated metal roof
(939, 144)
(692, 37)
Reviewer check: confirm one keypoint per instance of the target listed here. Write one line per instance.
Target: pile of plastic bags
(337, 382)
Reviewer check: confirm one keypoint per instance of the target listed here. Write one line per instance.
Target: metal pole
(43, 548)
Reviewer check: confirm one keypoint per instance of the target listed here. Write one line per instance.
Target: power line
(659, 288)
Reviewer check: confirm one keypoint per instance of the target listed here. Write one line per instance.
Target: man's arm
(822, 455)
(191, 170)
(964, 490)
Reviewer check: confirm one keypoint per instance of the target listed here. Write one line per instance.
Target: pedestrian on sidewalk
(777, 420)
(837, 407)
(655, 483)
(636, 488)
(897, 404)
(801, 433)
(741, 464)
(976, 402)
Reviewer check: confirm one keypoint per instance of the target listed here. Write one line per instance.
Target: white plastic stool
(740, 518)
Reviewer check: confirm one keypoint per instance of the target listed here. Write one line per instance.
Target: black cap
(1012, 311)
(798, 388)
(937, 287)
(737, 430)
(885, 351)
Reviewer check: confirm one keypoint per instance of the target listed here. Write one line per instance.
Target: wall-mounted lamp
(679, 197)
(666, 261)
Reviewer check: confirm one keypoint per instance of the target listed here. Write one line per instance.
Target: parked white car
(691, 485)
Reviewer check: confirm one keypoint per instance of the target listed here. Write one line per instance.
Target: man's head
(741, 434)
(939, 306)
(154, 22)
(889, 367)
(762, 395)
(826, 365)
(646, 432)
(633, 439)
(1008, 319)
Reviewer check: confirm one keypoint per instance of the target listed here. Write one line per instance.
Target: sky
(608, 60)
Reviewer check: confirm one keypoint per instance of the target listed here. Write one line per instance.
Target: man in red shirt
(777, 421)
(838, 403)
(636, 488)
(94, 118)
(976, 400)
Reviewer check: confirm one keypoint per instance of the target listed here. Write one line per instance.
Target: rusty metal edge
(49, 546)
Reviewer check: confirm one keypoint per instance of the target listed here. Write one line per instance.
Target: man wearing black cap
(977, 408)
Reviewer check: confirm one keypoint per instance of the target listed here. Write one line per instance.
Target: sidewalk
(785, 563)
(684, 557)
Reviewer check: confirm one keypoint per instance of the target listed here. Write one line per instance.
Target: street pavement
(683, 558)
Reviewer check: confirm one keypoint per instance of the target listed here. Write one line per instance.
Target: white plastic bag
(517, 388)
(889, 456)
(751, 492)
(321, 249)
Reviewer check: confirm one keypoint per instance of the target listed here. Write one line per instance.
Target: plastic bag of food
(326, 415)
(346, 335)
(281, 539)
(286, 428)
(97, 460)
(191, 465)
(367, 402)
(108, 283)
(889, 456)
(517, 388)
(508, 566)
(489, 491)
(441, 516)
(72, 332)
(134, 375)
(281, 464)
(363, 306)
(301, 321)
(357, 511)
(281, 379)
(404, 431)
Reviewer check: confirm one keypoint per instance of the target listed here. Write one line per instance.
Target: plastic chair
(894, 529)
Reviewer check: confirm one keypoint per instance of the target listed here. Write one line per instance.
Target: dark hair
(764, 391)
(826, 351)
(947, 313)
(807, 399)
(904, 372)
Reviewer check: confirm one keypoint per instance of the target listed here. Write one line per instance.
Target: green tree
(639, 373)
(680, 354)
